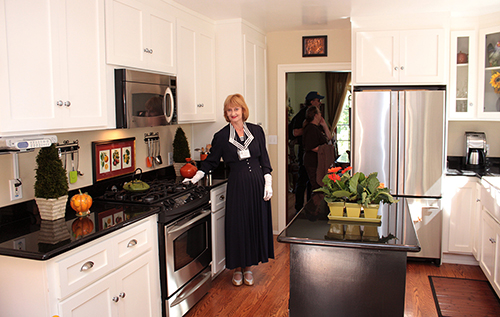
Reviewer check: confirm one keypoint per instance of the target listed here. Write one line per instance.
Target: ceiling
(287, 15)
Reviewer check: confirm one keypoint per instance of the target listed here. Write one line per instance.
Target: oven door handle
(174, 229)
(187, 292)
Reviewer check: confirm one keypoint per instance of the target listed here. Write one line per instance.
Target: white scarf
(232, 137)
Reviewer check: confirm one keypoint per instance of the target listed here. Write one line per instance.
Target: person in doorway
(315, 133)
(303, 184)
(248, 224)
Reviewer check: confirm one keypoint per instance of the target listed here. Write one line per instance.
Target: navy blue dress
(249, 234)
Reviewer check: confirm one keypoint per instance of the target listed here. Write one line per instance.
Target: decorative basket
(53, 208)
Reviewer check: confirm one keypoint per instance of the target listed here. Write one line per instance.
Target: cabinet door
(377, 57)
(489, 74)
(55, 78)
(463, 74)
(488, 245)
(95, 300)
(463, 202)
(422, 56)
(138, 287)
(255, 79)
(218, 242)
(29, 59)
(476, 225)
(196, 75)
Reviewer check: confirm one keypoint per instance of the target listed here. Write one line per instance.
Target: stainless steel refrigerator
(400, 134)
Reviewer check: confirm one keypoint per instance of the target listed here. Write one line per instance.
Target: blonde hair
(236, 100)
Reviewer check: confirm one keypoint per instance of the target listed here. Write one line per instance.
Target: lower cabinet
(490, 235)
(218, 198)
(128, 291)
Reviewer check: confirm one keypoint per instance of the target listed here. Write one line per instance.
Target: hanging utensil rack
(152, 139)
(71, 148)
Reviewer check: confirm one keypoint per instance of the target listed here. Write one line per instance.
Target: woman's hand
(268, 187)
(199, 175)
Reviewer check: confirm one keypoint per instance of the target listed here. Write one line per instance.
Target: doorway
(283, 70)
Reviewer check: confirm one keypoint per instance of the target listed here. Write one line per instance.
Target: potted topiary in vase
(51, 184)
(181, 150)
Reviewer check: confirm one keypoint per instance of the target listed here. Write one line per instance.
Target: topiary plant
(181, 146)
(51, 179)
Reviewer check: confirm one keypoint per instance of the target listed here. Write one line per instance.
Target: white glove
(268, 187)
(199, 175)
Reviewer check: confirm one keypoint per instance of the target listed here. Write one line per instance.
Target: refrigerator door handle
(393, 149)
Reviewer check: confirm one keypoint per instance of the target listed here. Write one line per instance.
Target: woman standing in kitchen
(242, 145)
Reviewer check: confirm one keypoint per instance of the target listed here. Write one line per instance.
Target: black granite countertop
(456, 167)
(312, 226)
(23, 234)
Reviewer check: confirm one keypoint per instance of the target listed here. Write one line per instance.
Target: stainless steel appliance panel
(189, 294)
(422, 142)
(373, 130)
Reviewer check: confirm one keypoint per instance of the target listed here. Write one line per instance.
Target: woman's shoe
(249, 281)
(236, 281)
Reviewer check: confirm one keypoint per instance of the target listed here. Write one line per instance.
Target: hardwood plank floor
(269, 296)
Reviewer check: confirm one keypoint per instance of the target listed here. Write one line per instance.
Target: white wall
(456, 136)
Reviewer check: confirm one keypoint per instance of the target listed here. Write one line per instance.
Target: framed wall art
(314, 46)
(112, 158)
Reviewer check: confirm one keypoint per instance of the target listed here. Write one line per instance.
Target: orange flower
(381, 185)
(347, 169)
(334, 169)
(334, 177)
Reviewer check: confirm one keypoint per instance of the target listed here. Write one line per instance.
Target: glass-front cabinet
(463, 73)
(489, 74)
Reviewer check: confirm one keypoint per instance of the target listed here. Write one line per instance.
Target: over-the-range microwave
(144, 99)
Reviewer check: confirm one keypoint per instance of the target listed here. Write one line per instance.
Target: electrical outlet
(170, 158)
(16, 189)
(20, 244)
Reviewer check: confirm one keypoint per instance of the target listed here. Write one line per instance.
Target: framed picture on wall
(314, 46)
(113, 158)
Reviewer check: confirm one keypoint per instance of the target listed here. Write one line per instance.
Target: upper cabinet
(140, 36)
(400, 57)
(489, 74)
(463, 75)
(196, 71)
(52, 56)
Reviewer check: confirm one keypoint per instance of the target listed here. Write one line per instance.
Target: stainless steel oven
(187, 257)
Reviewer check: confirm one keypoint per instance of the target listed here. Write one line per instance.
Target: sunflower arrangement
(495, 82)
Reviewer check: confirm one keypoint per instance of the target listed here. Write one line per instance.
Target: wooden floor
(269, 295)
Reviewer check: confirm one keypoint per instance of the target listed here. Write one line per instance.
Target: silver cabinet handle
(115, 299)
(67, 103)
(148, 50)
(122, 295)
(87, 266)
(132, 243)
(471, 104)
(478, 200)
(396, 68)
(200, 105)
(60, 103)
(221, 197)
(402, 67)
(492, 240)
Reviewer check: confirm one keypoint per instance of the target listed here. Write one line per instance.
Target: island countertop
(312, 226)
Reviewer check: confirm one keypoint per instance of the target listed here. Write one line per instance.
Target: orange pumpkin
(81, 203)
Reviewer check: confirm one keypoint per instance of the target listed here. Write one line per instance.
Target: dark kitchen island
(340, 268)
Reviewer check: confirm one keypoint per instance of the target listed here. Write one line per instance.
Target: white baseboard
(464, 259)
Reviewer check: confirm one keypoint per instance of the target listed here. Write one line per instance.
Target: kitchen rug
(464, 297)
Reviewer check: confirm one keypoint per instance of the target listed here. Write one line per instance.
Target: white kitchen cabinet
(196, 71)
(115, 275)
(459, 207)
(126, 292)
(463, 76)
(140, 36)
(489, 69)
(218, 201)
(53, 75)
(406, 57)
(255, 52)
(490, 235)
(476, 224)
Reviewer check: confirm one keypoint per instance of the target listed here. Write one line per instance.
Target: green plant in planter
(372, 192)
(181, 146)
(51, 179)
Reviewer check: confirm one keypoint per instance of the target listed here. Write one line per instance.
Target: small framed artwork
(314, 46)
(110, 217)
(113, 158)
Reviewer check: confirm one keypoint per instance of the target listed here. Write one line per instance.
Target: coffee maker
(476, 149)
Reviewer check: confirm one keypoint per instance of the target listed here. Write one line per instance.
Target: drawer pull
(87, 266)
(115, 299)
(122, 295)
(221, 197)
(492, 240)
(132, 243)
